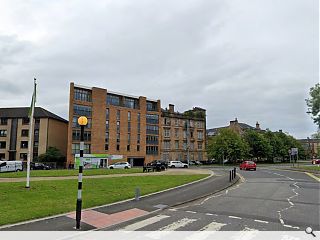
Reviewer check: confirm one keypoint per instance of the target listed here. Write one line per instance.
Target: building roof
(22, 112)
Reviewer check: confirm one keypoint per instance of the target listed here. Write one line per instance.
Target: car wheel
(173, 166)
(185, 166)
(254, 169)
(125, 167)
(111, 167)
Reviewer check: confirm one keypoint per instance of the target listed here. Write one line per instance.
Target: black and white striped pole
(82, 121)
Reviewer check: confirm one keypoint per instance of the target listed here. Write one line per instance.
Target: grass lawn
(314, 168)
(69, 172)
(46, 198)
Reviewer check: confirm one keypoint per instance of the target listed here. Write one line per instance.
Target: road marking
(227, 191)
(260, 221)
(313, 176)
(191, 212)
(172, 209)
(235, 217)
(214, 226)
(289, 226)
(174, 226)
(209, 214)
(250, 229)
(141, 224)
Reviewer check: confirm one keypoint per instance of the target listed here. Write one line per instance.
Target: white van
(10, 166)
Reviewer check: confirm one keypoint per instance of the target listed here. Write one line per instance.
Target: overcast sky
(250, 59)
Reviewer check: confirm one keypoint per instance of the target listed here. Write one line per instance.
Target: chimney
(280, 130)
(171, 108)
(257, 126)
(235, 121)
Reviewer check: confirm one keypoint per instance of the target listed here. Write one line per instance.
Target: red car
(316, 161)
(248, 165)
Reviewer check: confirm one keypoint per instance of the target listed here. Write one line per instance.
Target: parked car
(11, 166)
(177, 164)
(195, 163)
(158, 165)
(39, 166)
(120, 165)
(315, 161)
(248, 165)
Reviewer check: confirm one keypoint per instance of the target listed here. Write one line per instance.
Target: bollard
(230, 176)
(137, 194)
(235, 173)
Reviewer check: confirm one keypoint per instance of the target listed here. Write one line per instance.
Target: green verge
(313, 168)
(47, 198)
(68, 172)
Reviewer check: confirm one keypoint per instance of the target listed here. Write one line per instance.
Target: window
(166, 144)
(191, 134)
(129, 116)
(138, 139)
(152, 140)
(152, 150)
(167, 121)
(107, 137)
(106, 147)
(118, 147)
(129, 138)
(3, 133)
(129, 126)
(76, 148)
(184, 145)
(76, 125)
(118, 115)
(184, 134)
(166, 132)
(107, 113)
(138, 127)
(176, 122)
(128, 147)
(152, 118)
(176, 132)
(24, 133)
(76, 135)
(138, 117)
(107, 125)
(200, 135)
(23, 156)
(138, 148)
(2, 156)
(82, 95)
(36, 144)
(113, 100)
(152, 129)
(151, 106)
(36, 132)
(24, 144)
(176, 143)
(199, 145)
(3, 121)
(82, 110)
(3, 144)
(191, 146)
(118, 137)
(130, 102)
(25, 121)
(118, 127)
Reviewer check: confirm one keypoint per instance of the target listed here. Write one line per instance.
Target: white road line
(143, 223)
(172, 209)
(174, 226)
(209, 214)
(289, 226)
(235, 217)
(260, 221)
(191, 212)
(213, 226)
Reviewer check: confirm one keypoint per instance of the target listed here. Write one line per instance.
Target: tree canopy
(52, 155)
(313, 104)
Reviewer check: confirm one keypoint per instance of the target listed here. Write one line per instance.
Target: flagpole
(30, 134)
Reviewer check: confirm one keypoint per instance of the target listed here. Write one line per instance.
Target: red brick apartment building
(122, 126)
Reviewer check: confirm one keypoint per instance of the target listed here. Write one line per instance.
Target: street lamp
(82, 121)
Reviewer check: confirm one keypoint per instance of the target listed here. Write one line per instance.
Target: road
(265, 200)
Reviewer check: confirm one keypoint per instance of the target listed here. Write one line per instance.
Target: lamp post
(82, 121)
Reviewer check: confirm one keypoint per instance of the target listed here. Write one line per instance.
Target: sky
(254, 60)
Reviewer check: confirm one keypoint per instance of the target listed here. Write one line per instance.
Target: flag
(33, 100)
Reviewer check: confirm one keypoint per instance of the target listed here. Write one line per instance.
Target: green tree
(313, 104)
(276, 145)
(52, 155)
(259, 146)
(288, 142)
(227, 145)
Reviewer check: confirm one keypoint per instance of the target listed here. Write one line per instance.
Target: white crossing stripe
(260, 221)
(190, 212)
(289, 226)
(235, 217)
(214, 226)
(174, 226)
(143, 223)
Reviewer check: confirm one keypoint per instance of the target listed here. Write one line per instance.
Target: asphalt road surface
(266, 200)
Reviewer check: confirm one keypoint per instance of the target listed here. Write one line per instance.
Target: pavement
(266, 200)
(121, 212)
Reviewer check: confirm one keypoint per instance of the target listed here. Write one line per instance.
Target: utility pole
(188, 142)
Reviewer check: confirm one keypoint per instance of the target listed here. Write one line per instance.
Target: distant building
(311, 146)
(183, 133)
(50, 130)
(236, 126)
